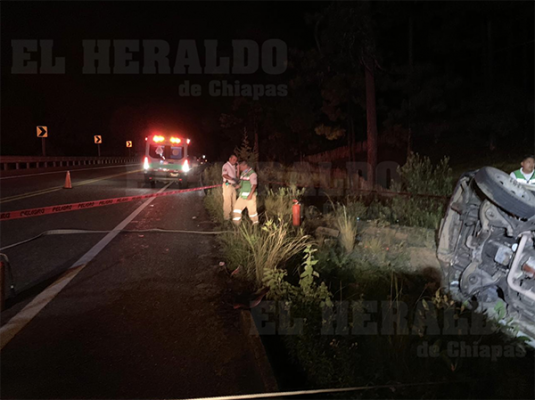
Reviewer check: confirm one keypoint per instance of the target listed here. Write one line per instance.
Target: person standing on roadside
(246, 195)
(230, 181)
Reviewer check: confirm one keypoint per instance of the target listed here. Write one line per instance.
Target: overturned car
(486, 245)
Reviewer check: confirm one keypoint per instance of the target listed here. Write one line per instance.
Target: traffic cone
(68, 184)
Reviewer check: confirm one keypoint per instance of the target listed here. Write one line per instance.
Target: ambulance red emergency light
(166, 159)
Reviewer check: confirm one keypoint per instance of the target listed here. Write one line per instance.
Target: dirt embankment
(419, 244)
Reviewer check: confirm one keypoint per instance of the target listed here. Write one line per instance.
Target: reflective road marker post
(98, 141)
(42, 132)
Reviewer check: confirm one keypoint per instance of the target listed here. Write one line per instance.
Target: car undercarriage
(486, 246)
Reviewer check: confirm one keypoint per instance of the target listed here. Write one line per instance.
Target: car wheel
(183, 184)
(506, 192)
(152, 184)
(452, 234)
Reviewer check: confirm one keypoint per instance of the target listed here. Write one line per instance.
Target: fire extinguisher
(296, 213)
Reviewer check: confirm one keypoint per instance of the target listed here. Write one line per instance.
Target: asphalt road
(150, 316)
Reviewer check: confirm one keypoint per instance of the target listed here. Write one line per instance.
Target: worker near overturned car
(525, 174)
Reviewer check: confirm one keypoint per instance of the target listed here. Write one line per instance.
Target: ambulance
(166, 160)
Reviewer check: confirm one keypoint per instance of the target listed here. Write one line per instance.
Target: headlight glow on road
(185, 166)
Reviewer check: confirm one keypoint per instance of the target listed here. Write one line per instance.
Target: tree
(247, 117)
(245, 152)
(347, 40)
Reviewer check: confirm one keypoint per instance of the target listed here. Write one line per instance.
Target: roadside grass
(412, 207)
(343, 219)
(272, 172)
(278, 204)
(400, 327)
(236, 251)
(258, 249)
(212, 174)
(213, 202)
(418, 177)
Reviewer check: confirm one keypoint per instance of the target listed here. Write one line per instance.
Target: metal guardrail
(13, 163)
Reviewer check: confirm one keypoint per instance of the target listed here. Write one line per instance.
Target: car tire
(506, 192)
(152, 184)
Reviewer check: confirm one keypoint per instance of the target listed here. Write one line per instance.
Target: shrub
(271, 172)
(213, 202)
(417, 177)
(346, 223)
(278, 204)
(307, 292)
(345, 219)
(260, 249)
(356, 208)
(245, 152)
(343, 358)
(212, 174)
(236, 250)
(272, 245)
(421, 212)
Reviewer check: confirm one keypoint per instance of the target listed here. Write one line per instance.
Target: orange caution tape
(36, 212)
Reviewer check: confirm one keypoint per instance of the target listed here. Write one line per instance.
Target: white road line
(67, 169)
(19, 321)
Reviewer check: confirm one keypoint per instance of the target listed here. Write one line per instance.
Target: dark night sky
(450, 37)
(90, 101)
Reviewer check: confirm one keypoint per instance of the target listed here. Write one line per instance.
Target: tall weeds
(270, 246)
(346, 222)
(278, 204)
(212, 174)
(419, 177)
(213, 202)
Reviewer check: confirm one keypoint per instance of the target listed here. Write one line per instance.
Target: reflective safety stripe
(237, 211)
(253, 215)
(256, 222)
(236, 219)
(245, 181)
(522, 178)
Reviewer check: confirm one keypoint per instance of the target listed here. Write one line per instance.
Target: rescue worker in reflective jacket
(525, 175)
(230, 182)
(246, 195)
